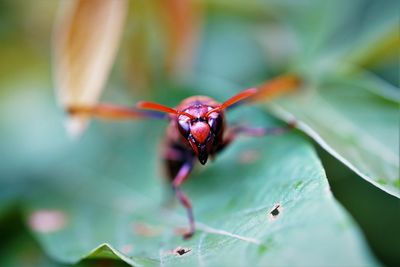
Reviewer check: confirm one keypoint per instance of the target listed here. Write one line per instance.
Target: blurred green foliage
(112, 176)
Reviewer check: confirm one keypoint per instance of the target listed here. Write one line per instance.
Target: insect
(197, 129)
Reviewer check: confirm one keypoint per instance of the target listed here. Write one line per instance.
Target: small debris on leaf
(128, 248)
(180, 251)
(47, 221)
(146, 230)
(275, 211)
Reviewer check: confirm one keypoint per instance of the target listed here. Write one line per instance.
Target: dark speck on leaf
(275, 211)
(180, 251)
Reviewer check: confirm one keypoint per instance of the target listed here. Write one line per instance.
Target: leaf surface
(262, 200)
(352, 123)
(350, 111)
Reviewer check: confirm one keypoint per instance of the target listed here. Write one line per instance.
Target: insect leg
(182, 175)
(250, 131)
(108, 111)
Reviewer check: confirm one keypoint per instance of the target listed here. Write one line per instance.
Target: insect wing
(114, 112)
(276, 87)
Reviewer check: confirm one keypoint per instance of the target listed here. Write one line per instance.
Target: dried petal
(86, 39)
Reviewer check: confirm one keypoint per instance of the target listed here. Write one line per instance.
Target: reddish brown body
(178, 149)
(197, 129)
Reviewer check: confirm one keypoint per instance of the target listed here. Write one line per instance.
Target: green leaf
(353, 123)
(101, 198)
(365, 133)
(366, 32)
(346, 116)
(114, 209)
(23, 251)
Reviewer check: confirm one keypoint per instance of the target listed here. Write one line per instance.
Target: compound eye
(215, 122)
(184, 127)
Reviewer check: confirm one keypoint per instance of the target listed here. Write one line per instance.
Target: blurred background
(170, 50)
